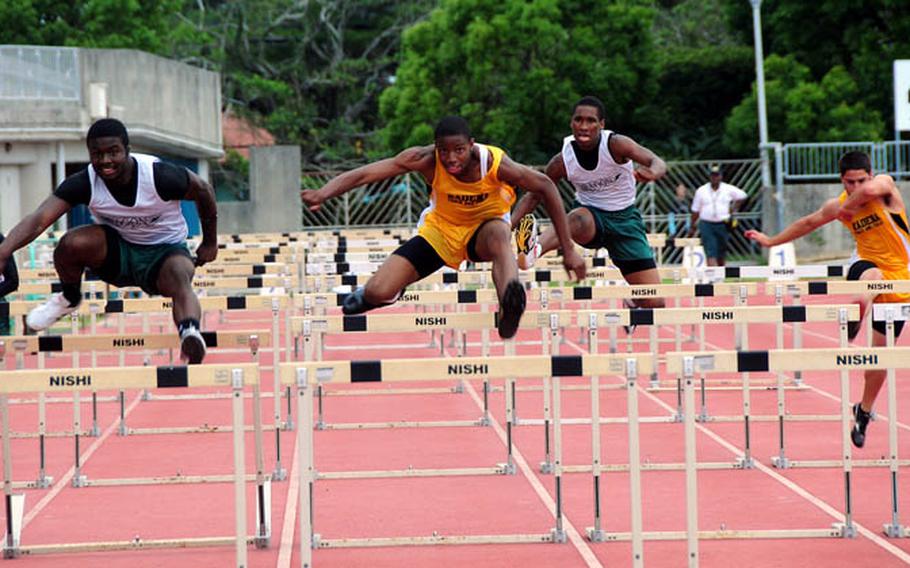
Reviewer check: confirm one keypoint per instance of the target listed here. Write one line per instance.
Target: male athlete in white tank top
(140, 236)
(599, 163)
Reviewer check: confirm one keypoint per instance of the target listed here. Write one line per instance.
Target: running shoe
(50, 311)
(511, 307)
(526, 241)
(192, 345)
(861, 420)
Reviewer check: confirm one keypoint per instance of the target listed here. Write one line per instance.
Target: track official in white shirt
(712, 209)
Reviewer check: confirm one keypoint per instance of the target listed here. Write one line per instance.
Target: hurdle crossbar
(76, 380)
(306, 376)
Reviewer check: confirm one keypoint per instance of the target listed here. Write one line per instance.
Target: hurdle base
(288, 425)
(597, 535)
(79, 481)
(895, 531)
(262, 542)
(319, 425)
(558, 536)
(94, 431)
(507, 468)
(280, 474)
(844, 530)
(780, 462)
(484, 421)
(44, 481)
(745, 462)
(703, 416)
(546, 467)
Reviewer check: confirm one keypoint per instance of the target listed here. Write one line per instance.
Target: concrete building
(49, 96)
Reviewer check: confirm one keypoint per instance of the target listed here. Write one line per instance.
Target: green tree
(310, 72)
(803, 110)
(514, 68)
(704, 70)
(862, 37)
(148, 25)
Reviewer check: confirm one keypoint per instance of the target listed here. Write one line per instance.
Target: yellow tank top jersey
(882, 237)
(458, 208)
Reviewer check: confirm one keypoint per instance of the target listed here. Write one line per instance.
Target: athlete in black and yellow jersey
(467, 218)
(872, 209)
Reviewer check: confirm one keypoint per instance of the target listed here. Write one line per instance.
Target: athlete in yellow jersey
(468, 218)
(873, 210)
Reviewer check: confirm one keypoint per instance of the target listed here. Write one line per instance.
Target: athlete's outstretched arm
(202, 193)
(802, 226)
(651, 167)
(556, 170)
(416, 159)
(881, 186)
(31, 227)
(543, 188)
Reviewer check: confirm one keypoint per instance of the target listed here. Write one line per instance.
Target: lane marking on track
(286, 548)
(64, 481)
(789, 484)
(571, 532)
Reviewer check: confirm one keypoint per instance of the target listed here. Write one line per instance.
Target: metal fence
(818, 161)
(399, 201)
(39, 73)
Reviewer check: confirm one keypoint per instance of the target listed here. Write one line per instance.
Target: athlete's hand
(312, 199)
(643, 174)
(758, 237)
(206, 252)
(574, 263)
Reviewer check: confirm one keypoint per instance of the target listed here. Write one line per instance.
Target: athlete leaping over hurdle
(873, 210)
(140, 238)
(468, 218)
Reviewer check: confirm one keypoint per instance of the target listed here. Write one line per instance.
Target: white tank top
(610, 186)
(151, 221)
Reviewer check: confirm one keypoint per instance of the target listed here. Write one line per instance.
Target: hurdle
(313, 330)
(305, 376)
(209, 303)
(842, 360)
(76, 380)
(664, 316)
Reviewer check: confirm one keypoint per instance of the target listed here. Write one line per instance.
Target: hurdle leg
(655, 352)
(510, 423)
(691, 477)
(746, 461)
(509, 350)
(78, 479)
(122, 430)
(279, 473)
(637, 535)
(780, 461)
(263, 489)
(894, 529)
(14, 503)
(549, 348)
(320, 421)
(239, 470)
(798, 340)
(305, 471)
(485, 418)
(595, 533)
(703, 413)
(559, 533)
(847, 529)
(43, 480)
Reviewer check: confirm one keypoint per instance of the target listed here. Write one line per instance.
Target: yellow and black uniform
(882, 241)
(447, 227)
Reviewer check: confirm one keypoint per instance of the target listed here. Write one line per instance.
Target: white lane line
(286, 549)
(789, 484)
(68, 476)
(571, 532)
